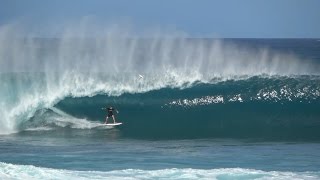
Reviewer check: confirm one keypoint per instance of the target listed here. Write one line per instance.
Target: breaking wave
(39, 74)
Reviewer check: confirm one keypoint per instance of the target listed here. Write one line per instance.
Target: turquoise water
(102, 153)
(245, 109)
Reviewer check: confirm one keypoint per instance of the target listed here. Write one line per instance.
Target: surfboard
(112, 124)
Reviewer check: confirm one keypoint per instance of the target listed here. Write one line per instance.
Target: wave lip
(12, 171)
(280, 107)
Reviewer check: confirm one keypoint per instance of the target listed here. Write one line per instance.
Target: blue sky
(221, 18)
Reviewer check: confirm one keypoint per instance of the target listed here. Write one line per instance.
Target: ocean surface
(191, 108)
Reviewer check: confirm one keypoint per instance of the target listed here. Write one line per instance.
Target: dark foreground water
(103, 154)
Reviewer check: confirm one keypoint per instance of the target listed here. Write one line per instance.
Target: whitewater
(31, 172)
(237, 108)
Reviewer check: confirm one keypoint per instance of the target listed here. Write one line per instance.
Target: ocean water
(191, 108)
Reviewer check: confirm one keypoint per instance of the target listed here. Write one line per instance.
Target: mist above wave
(119, 49)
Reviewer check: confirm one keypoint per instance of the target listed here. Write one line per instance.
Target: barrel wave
(278, 108)
(165, 86)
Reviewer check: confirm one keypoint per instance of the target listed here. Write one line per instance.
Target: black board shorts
(110, 114)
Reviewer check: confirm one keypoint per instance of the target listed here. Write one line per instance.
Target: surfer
(110, 114)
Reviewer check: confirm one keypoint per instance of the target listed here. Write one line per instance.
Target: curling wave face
(278, 108)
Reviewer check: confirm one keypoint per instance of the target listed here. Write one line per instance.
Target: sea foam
(12, 171)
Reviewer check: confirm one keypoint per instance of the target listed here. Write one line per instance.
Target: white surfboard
(112, 124)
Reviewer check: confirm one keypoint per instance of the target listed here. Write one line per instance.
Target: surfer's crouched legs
(106, 120)
(114, 120)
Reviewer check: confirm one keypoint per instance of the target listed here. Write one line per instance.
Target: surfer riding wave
(110, 114)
